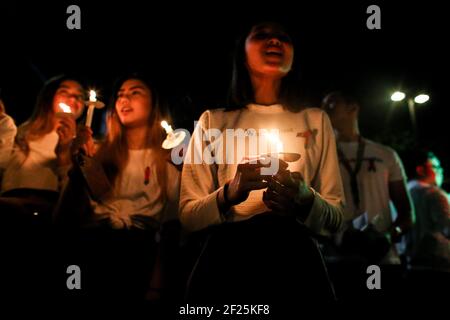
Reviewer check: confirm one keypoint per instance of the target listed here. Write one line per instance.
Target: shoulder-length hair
(241, 90)
(113, 152)
(41, 121)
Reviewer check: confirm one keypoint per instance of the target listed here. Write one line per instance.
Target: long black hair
(241, 90)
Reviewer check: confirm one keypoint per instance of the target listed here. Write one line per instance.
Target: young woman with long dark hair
(38, 165)
(260, 246)
(125, 223)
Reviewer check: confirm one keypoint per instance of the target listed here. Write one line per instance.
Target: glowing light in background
(397, 96)
(421, 98)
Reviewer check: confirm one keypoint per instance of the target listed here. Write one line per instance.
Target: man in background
(429, 243)
(373, 177)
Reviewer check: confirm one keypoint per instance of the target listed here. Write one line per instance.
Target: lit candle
(279, 145)
(167, 127)
(65, 108)
(91, 107)
(275, 142)
(92, 96)
(173, 139)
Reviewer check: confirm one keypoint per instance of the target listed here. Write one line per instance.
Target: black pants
(27, 208)
(115, 265)
(266, 259)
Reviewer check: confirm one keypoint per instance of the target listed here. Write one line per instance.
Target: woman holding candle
(307, 192)
(41, 155)
(132, 150)
(143, 196)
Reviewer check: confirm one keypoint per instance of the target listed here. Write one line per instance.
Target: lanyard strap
(353, 172)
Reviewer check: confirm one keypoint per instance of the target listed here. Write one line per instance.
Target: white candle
(91, 107)
(167, 127)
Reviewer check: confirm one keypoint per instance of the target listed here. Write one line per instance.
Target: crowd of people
(144, 228)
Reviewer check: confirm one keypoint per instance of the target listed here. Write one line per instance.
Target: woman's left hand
(288, 194)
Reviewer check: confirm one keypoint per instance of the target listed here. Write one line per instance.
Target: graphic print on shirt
(308, 134)
(284, 135)
(147, 175)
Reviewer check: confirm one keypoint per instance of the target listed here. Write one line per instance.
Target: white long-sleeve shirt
(308, 133)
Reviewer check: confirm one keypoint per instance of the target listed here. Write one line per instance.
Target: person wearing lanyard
(372, 175)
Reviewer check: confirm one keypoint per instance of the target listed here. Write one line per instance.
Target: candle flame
(92, 96)
(275, 141)
(65, 108)
(166, 127)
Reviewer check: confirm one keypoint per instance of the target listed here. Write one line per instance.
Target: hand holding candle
(287, 192)
(66, 129)
(65, 118)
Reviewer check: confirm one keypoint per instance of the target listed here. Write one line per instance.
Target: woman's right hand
(84, 141)
(247, 178)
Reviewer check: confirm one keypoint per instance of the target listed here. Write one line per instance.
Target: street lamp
(421, 98)
(398, 96)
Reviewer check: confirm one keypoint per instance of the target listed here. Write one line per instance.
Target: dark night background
(188, 46)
